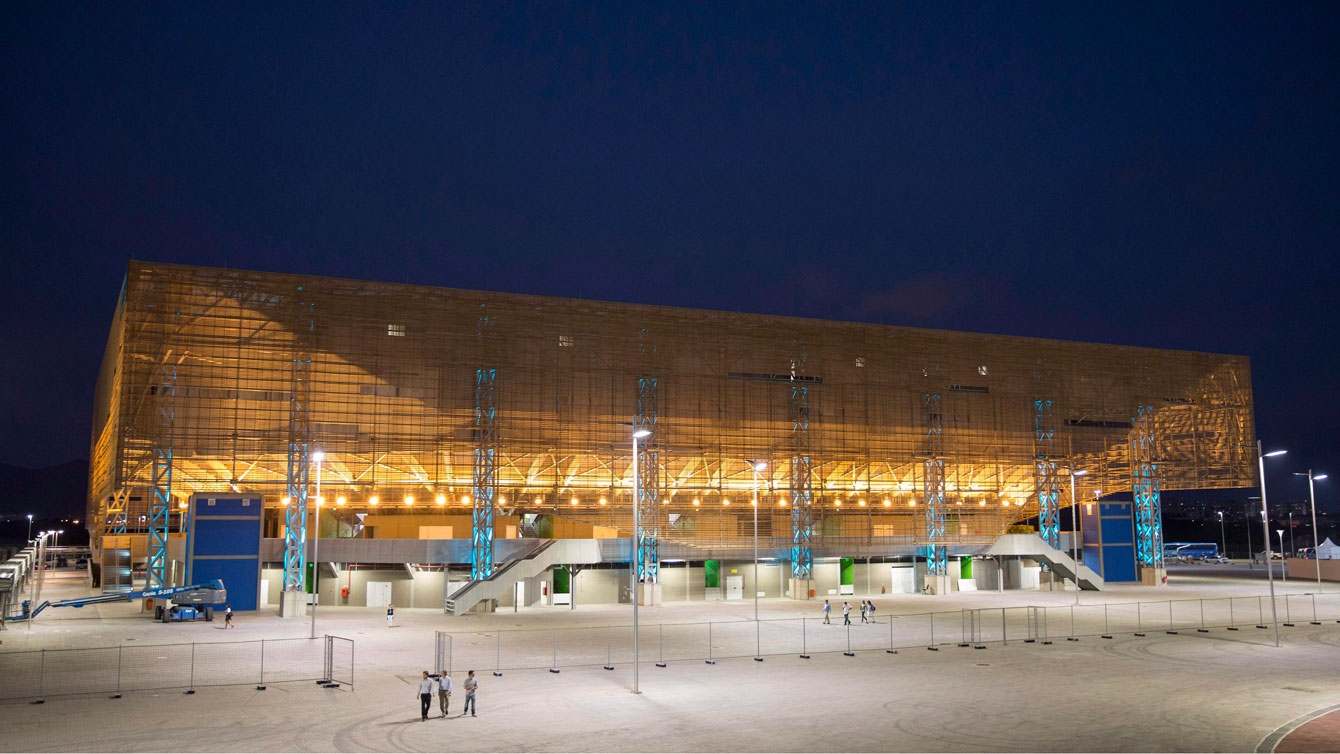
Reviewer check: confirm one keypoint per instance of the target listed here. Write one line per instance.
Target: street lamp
(1223, 540)
(758, 655)
(30, 527)
(1292, 548)
(1074, 527)
(318, 457)
(1284, 571)
(1265, 528)
(637, 552)
(1312, 500)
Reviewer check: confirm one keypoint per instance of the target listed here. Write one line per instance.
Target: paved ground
(1217, 691)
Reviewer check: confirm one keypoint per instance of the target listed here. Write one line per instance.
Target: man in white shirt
(425, 695)
(443, 691)
(390, 615)
(846, 613)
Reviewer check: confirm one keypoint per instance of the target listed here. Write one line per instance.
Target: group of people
(867, 612)
(440, 683)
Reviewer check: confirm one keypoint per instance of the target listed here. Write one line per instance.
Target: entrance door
(379, 593)
(520, 594)
(734, 587)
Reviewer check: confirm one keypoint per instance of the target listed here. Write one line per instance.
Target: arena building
(435, 446)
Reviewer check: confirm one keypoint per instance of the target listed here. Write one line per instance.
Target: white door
(734, 587)
(904, 580)
(264, 598)
(379, 593)
(520, 594)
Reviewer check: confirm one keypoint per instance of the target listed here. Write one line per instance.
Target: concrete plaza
(1214, 691)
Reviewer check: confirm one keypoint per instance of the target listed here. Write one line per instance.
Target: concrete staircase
(1035, 547)
(545, 555)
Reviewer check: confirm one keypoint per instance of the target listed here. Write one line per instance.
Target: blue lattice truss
(648, 488)
(485, 473)
(802, 514)
(933, 486)
(160, 505)
(299, 455)
(1145, 490)
(1046, 482)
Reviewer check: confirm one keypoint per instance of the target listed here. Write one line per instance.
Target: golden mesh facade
(392, 406)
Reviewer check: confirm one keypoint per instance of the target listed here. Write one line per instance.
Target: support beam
(933, 485)
(485, 473)
(299, 436)
(161, 503)
(1145, 478)
(802, 514)
(648, 488)
(1046, 483)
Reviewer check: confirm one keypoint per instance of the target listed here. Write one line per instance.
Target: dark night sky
(1130, 174)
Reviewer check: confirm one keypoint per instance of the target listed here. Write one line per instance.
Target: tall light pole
(1292, 548)
(1074, 527)
(317, 457)
(1223, 540)
(1265, 528)
(637, 552)
(758, 637)
(30, 527)
(1312, 500)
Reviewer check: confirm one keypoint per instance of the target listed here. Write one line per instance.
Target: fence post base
(1107, 636)
(1202, 630)
(1071, 638)
(553, 670)
(1029, 641)
(609, 667)
(804, 657)
(660, 664)
(260, 688)
(190, 691)
(710, 662)
(1232, 628)
(496, 673)
(887, 652)
(933, 649)
(38, 701)
(758, 659)
(114, 696)
(1171, 632)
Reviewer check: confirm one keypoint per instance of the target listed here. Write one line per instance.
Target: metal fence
(663, 643)
(112, 671)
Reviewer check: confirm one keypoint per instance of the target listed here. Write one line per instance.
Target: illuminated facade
(436, 400)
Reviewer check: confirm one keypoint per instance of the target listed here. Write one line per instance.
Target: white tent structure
(1328, 550)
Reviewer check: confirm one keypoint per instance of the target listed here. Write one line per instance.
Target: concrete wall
(1300, 568)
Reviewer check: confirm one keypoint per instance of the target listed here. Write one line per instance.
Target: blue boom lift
(188, 602)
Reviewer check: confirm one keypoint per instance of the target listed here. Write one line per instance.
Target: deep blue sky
(1150, 175)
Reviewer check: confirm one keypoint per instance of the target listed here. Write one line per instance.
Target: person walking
(828, 609)
(425, 696)
(471, 687)
(846, 613)
(871, 605)
(863, 609)
(390, 616)
(443, 691)
(227, 615)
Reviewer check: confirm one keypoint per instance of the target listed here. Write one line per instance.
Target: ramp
(1035, 547)
(546, 554)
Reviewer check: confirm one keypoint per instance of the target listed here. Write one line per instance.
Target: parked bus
(1188, 550)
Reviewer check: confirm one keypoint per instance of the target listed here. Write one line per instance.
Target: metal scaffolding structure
(933, 486)
(161, 504)
(1048, 484)
(802, 513)
(405, 397)
(299, 461)
(1145, 490)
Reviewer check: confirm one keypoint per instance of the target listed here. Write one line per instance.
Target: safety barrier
(113, 671)
(663, 643)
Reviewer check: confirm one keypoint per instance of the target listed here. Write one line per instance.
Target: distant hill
(59, 490)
